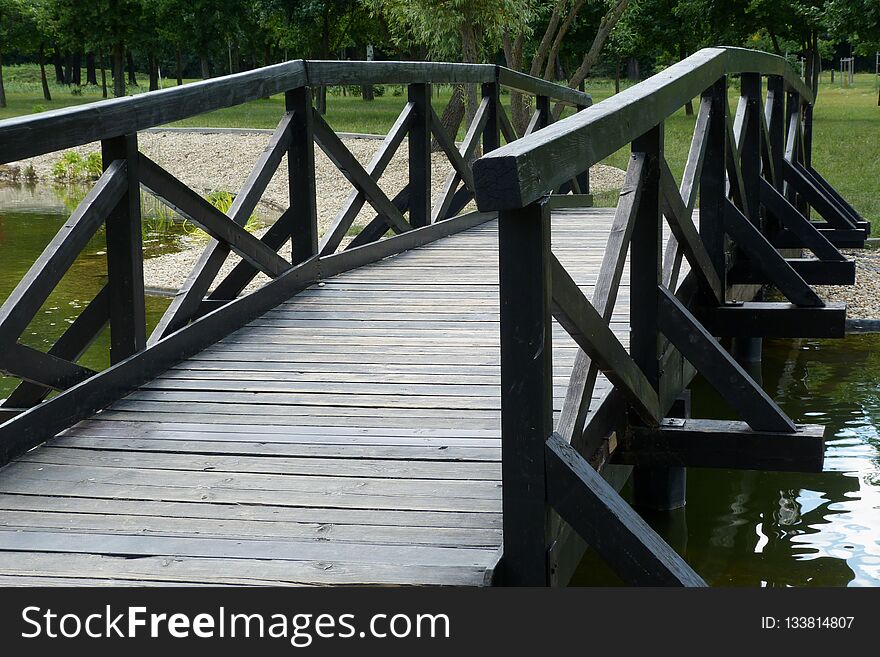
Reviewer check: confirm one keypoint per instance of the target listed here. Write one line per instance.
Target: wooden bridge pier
(438, 400)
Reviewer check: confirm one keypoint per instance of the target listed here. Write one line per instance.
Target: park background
(56, 53)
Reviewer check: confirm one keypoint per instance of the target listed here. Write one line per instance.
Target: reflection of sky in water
(799, 529)
(851, 527)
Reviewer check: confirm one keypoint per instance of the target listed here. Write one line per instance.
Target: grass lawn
(846, 130)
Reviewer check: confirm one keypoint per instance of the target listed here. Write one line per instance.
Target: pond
(746, 528)
(30, 216)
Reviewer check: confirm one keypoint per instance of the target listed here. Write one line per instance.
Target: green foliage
(73, 167)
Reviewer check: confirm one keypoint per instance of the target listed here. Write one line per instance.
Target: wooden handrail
(523, 171)
(35, 134)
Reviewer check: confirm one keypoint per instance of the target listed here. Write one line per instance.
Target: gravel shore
(222, 161)
(863, 298)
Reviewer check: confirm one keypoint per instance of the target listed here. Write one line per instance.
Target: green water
(746, 528)
(30, 216)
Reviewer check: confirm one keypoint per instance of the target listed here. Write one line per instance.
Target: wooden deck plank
(349, 436)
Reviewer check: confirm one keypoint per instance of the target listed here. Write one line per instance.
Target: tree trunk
(776, 49)
(59, 68)
(606, 25)
(77, 69)
(453, 113)
(132, 78)
(518, 102)
(91, 77)
(617, 77)
(153, 65)
(41, 57)
(179, 63)
(103, 75)
(2, 88)
(119, 70)
(68, 69)
(470, 52)
(206, 68)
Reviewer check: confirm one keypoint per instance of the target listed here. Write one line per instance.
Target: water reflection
(745, 528)
(30, 216)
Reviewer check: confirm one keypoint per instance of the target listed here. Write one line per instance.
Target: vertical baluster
(654, 487)
(792, 138)
(542, 105)
(750, 147)
(125, 257)
(526, 388)
(712, 183)
(776, 124)
(420, 156)
(492, 131)
(301, 176)
(584, 178)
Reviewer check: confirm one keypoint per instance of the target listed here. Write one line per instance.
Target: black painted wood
(789, 217)
(41, 369)
(525, 170)
(420, 155)
(75, 340)
(814, 272)
(589, 329)
(303, 215)
(189, 204)
(125, 257)
(795, 175)
(356, 199)
(32, 291)
(686, 235)
(724, 444)
(766, 319)
(185, 304)
(610, 525)
(584, 372)
(727, 376)
(348, 164)
(766, 258)
(526, 388)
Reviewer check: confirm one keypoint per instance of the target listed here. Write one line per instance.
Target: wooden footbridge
(451, 397)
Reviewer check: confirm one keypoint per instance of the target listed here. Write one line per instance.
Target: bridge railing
(209, 305)
(753, 176)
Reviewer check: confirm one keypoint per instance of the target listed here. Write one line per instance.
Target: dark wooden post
(792, 140)
(584, 178)
(750, 148)
(301, 176)
(526, 389)
(542, 105)
(776, 124)
(808, 134)
(712, 185)
(420, 156)
(492, 131)
(125, 256)
(654, 487)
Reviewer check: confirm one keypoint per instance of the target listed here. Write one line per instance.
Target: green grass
(846, 131)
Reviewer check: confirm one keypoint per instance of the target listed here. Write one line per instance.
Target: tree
(563, 17)
(15, 28)
(455, 29)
